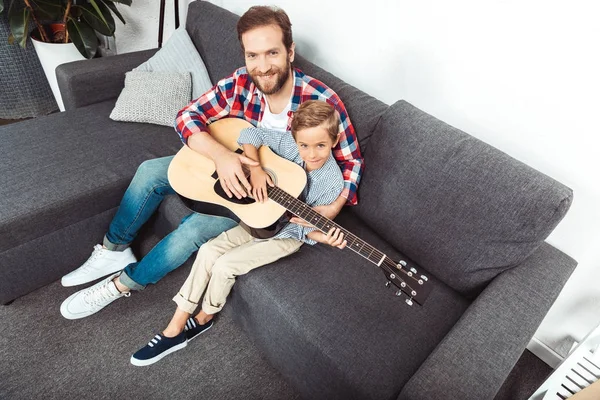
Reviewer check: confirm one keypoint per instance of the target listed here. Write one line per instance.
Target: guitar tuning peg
(387, 284)
(402, 262)
(414, 271)
(409, 302)
(399, 293)
(424, 278)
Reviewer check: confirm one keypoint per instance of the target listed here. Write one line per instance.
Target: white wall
(141, 29)
(520, 75)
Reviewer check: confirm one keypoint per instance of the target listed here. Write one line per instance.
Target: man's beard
(282, 77)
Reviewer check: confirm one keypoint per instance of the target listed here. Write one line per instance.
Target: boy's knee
(222, 269)
(208, 253)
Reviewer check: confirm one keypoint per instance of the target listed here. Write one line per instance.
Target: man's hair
(263, 16)
(313, 113)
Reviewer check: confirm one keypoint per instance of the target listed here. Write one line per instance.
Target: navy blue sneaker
(193, 328)
(157, 348)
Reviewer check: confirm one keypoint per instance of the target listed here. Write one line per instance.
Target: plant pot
(51, 55)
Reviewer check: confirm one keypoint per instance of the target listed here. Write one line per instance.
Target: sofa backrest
(213, 31)
(460, 208)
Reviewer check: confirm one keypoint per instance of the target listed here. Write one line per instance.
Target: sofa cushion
(48, 184)
(153, 97)
(325, 320)
(457, 206)
(180, 55)
(220, 49)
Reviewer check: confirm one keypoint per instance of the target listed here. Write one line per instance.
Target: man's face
(267, 61)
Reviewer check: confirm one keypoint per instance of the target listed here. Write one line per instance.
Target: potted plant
(61, 30)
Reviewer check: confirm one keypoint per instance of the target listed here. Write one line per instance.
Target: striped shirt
(323, 185)
(237, 96)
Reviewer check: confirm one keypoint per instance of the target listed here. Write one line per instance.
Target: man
(266, 92)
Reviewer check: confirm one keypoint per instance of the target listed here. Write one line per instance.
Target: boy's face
(314, 145)
(267, 59)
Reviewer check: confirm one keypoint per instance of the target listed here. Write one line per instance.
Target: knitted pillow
(180, 55)
(152, 97)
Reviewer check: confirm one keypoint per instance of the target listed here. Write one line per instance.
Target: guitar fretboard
(324, 224)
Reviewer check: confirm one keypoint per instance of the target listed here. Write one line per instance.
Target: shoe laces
(189, 324)
(95, 254)
(98, 295)
(154, 340)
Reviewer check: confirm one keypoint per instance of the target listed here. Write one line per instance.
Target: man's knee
(150, 169)
(201, 228)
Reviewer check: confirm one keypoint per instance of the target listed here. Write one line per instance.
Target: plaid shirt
(237, 96)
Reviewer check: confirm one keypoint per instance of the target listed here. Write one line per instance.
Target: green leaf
(114, 9)
(98, 16)
(48, 10)
(83, 37)
(19, 25)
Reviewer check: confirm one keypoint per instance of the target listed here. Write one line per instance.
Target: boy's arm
(276, 140)
(333, 238)
(259, 179)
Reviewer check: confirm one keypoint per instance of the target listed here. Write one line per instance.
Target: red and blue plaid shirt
(237, 96)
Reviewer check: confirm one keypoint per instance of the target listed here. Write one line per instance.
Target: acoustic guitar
(194, 177)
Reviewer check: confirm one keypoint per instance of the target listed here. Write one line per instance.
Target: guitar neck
(324, 224)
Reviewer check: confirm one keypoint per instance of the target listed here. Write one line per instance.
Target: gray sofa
(471, 217)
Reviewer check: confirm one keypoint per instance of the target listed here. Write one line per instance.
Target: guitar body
(193, 176)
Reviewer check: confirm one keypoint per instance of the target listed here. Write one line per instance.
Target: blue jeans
(143, 196)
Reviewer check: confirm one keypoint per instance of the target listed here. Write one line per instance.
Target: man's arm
(347, 153)
(191, 125)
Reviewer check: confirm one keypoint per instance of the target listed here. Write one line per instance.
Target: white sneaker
(91, 300)
(102, 262)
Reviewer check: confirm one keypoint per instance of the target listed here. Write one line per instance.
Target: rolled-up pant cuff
(114, 247)
(210, 309)
(130, 283)
(184, 304)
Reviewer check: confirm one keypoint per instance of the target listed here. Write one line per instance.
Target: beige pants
(220, 260)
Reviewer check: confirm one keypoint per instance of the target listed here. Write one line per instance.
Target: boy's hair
(263, 16)
(313, 113)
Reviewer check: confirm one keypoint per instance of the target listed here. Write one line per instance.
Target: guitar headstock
(408, 281)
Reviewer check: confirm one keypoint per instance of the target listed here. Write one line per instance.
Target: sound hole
(244, 200)
(219, 191)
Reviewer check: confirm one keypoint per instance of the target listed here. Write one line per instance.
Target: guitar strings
(317, 218)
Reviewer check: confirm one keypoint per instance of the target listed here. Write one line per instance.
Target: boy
(314, 133)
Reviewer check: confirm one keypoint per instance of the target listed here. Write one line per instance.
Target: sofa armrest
(91, 81)
(477, 355)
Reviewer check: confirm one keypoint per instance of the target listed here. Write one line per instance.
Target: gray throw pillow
(152, 97)
(180, 55)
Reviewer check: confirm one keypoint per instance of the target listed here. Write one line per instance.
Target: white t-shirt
(277, 122)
